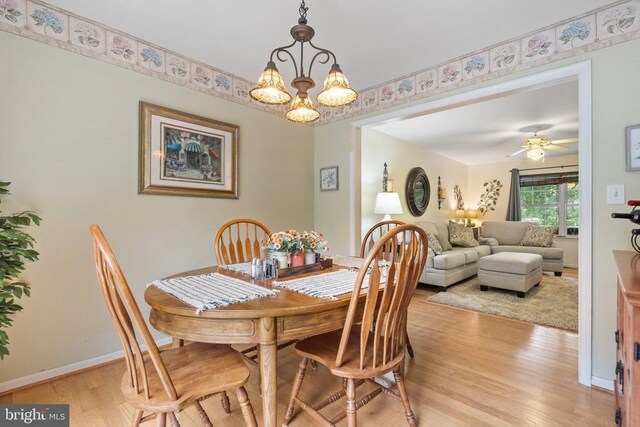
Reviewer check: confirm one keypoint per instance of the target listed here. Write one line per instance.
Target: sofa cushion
(491, 241)
(511, 262)
(539, 236)
(434, 244)
(428, 227)
(470, 254)
(459, 235)
(448, 260)
(505, 232)
(443, 235)
(546, 253)
(482, 250)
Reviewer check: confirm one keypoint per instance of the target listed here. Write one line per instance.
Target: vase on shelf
(297, 258)
(282, 258)
(309, 256)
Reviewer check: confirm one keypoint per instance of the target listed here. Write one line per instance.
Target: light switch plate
(615, 194)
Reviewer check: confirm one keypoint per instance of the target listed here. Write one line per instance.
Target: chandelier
(271, 89)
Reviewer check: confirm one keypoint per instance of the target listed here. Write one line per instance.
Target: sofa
(459, 263)
(509, 234)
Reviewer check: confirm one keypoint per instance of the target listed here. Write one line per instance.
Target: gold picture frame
(182, 154)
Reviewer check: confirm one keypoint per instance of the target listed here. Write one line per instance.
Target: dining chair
(239, 241)
(164, 382)
(373, 235)
(372, 342)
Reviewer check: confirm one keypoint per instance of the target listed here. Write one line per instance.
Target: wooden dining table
(266, 322)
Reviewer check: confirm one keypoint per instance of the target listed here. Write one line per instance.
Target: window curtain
(514, 212)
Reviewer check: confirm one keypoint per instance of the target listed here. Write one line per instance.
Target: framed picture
(329, 178)
(633, 148)
(186, 155)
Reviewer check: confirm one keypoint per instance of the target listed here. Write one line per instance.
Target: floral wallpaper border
(56, 27)
(612, 24)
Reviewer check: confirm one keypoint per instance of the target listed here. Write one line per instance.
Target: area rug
(553, 303)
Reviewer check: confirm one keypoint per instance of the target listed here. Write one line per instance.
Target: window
(551, 199)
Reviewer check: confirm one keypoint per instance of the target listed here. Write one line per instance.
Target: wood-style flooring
(471, 369)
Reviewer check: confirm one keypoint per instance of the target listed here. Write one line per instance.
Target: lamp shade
(387, 203)
(459, 213)
(535, 154)
(336, 91)
(270, 88)
(302, 110)
(472, 214)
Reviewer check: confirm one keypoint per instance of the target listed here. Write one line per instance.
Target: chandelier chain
(303, 10)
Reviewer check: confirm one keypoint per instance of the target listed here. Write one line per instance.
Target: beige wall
(615, 91)
(70, 146)
(401, 157)
(479, 174)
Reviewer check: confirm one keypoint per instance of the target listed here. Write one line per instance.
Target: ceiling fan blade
(517, 152)
(565, 141)
(555, 148)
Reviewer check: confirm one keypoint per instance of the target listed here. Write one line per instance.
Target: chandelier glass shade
(270, 88)
(302, 110)
(535, 153)
(336, 91)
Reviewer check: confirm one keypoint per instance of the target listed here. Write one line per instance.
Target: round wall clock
(418, 191)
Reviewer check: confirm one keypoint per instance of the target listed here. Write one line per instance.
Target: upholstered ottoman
(515, 271)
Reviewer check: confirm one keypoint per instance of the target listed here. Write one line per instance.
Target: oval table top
(286, 303)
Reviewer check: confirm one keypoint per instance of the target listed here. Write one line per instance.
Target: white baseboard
(602, 383)
(66, 369)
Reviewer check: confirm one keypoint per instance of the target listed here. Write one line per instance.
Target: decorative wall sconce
(442, 193)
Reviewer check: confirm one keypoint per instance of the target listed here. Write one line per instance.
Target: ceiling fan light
(270, 88)
(336, 91)
(535, 154)
(302, 110)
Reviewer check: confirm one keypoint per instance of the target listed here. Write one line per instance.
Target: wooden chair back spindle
(374, 234)
(122, 308)
(402, 251)
(239, 241)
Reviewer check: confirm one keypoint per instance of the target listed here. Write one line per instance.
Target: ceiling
(487, 132)
(374, 41)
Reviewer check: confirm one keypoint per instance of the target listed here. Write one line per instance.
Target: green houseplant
(16, 247)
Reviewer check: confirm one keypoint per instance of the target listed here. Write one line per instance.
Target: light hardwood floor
(471, 369)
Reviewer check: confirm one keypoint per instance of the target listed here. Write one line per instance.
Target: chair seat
(194, 374)
(324, 348)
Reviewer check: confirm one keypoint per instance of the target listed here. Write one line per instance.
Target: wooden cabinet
(627, 380)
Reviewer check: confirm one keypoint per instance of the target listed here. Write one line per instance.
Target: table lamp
(471, 215)
(387, 203)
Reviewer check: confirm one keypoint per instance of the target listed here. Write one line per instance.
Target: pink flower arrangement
(291, 240)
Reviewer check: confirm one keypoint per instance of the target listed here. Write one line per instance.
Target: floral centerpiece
(299, 247)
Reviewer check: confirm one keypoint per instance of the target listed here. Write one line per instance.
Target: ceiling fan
(535, 146)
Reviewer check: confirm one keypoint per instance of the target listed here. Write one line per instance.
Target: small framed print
(633, 148)
(329, 178)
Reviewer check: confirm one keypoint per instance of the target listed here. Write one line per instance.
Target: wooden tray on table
(293, 271)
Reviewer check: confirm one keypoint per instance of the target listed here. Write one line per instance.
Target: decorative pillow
(460, 235)
(539, 236)
(434, 244)
(488, 241)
